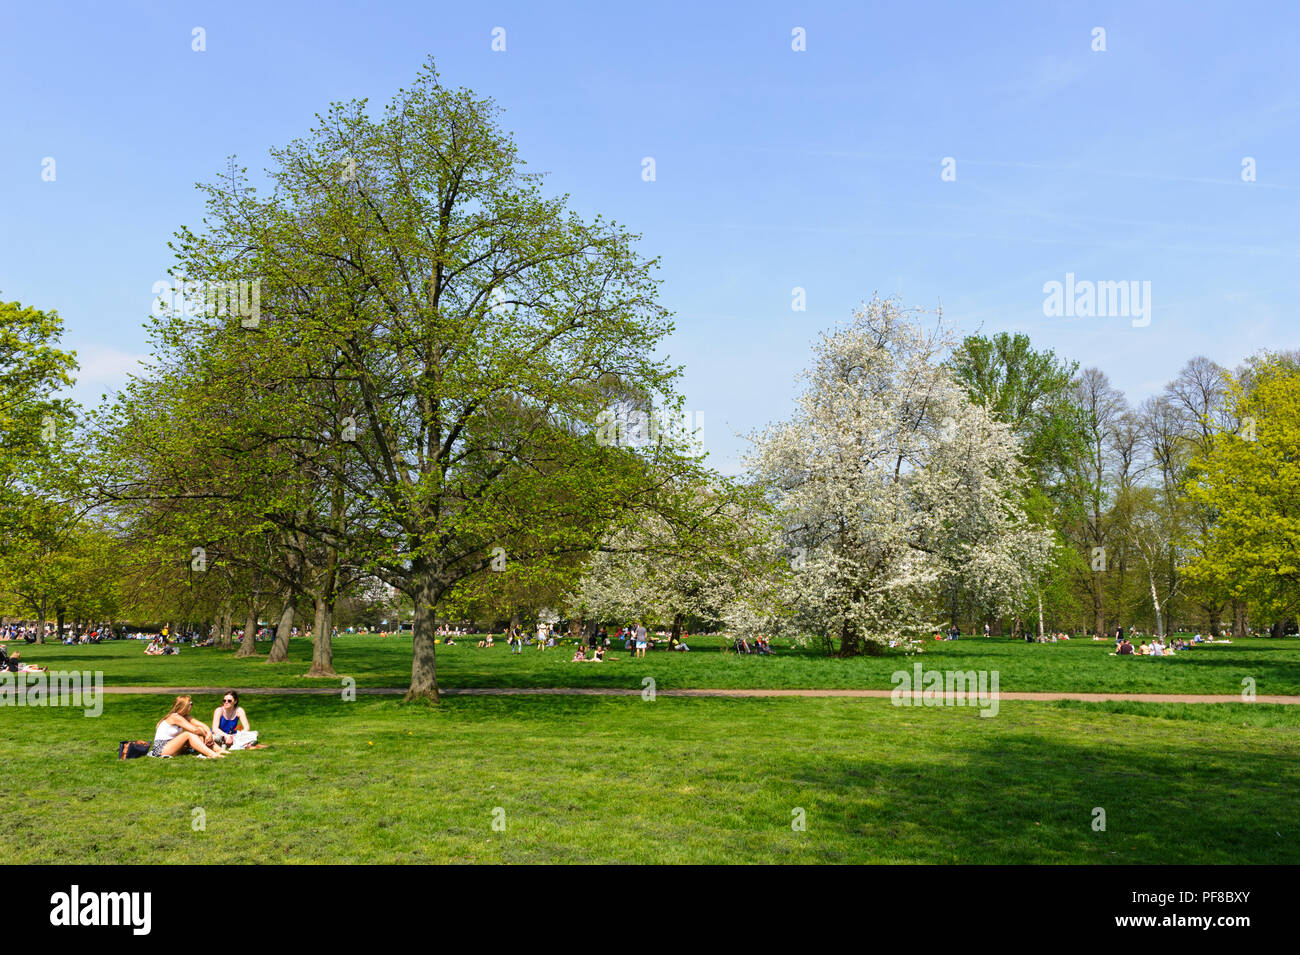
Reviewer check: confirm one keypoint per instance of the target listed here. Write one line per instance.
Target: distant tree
(1033, 393)
(1248, 477)
(1030, 391)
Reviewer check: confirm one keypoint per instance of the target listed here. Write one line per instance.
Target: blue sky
(775, 169)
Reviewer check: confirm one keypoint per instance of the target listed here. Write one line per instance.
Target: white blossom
(894, 485)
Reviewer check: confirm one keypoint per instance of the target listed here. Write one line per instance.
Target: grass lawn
(1076, 666)
(616, 779)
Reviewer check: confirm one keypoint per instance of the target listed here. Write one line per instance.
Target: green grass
(616, 779)
(1077, 666)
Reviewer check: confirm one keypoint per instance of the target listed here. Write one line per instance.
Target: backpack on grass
(132, 749)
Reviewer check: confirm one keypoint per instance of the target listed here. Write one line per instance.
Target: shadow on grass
(680, 779)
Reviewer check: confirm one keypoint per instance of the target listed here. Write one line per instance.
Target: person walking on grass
(640, 639)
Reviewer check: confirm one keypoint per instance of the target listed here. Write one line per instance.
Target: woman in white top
(176, 731)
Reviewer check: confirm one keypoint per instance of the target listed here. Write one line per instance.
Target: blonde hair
(183, 705)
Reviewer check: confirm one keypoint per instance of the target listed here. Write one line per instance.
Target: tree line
(411, 394)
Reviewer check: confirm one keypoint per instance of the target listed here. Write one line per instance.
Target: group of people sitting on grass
(1210, 639)
(177, 733)
(1050, 638)
(1124, 647)
(93, 636)
(597, 655)
(1155, 648)
(72, 637)
(759, 644)
(15, 632)
(159, 647)
(597, 642)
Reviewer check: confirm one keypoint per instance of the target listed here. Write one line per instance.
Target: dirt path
(613, 691)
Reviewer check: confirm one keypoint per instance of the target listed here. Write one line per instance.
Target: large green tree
(434, 337)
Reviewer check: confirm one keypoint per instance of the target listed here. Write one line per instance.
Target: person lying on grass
(13, 662)
(230, 724)
(176, 733)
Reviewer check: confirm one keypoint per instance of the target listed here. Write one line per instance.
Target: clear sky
(774, 168)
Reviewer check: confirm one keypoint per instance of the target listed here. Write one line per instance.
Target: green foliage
(418, 393)
(1249, 480)
(1028, 390)
(32, 372)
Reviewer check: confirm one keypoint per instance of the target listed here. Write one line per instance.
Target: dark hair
(234, 693)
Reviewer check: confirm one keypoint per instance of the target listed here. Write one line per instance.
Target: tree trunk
(40, 629)
(249, 645)
(1098, 612)
(280, 649)
(850, 642)
(424, 669)
(1239, 625)
(322, 654)
(676, 636)
(322, 648)
(1040, 613)
(1216, 621)
(1155, 602)
(227, 625)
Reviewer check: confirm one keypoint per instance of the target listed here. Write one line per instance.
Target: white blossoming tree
(723, 565)
(894, 488)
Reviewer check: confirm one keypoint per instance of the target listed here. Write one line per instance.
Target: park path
(619, 691)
